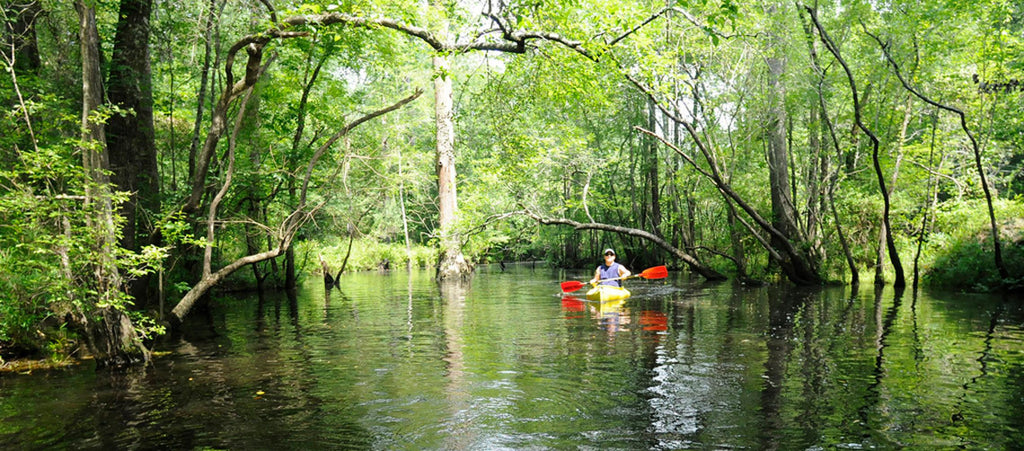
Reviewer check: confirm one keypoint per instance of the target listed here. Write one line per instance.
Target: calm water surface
(394, 362)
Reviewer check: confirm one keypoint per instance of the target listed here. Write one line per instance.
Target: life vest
(610, 272)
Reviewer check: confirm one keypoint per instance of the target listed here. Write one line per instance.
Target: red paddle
(657, 272)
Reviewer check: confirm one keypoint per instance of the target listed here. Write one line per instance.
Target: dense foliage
(743, 98)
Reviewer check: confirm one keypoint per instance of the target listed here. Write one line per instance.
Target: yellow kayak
(605, 293)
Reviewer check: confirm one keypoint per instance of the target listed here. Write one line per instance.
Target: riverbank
(28, 365)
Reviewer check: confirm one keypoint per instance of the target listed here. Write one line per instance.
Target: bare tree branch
(694, 264)
(344, 131)
(285, 233)
(640, 25)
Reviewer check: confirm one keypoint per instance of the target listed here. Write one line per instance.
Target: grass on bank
(365, 254)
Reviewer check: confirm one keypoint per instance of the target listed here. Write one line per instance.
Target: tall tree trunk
(401, 205)
(310, 78)
(690, 238)
(818, 124)
(653, 184)
(850, 262)
(95, 159)
(22, 34)
(883, 232)
(108, 332)
(783, 214)
(290, 278)
(931, 200)
(204, 86)
(452, 264)
(130, 137)
(879, 273)
(829, 176)
(817, 168)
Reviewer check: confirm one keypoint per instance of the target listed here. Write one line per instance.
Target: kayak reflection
(653, 320)
(613, 315)
(573, 306)
(610, 315)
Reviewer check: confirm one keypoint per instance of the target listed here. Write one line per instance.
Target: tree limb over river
(691, 261)
(285, 233)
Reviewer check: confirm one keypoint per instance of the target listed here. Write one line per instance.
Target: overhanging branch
(691, 262)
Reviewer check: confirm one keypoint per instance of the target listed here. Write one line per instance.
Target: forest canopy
(157, 150)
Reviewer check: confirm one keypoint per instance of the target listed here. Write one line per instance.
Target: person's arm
(623, 272)
(597, 276)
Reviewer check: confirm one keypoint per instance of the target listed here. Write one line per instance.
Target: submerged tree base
(453, 266)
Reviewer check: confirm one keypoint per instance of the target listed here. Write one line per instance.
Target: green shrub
(964, 259)
(366, 254)
(48, 252)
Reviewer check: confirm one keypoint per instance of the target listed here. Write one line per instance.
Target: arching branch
(694, 264)
(997, 245)
(514, 41)
(285, 233)
(894, 256)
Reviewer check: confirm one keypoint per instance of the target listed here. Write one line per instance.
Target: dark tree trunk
(130, 137)
(108, 332)
(290, 278)
(932, 199)
(653, 184)
(783, 212)
(22, 34)
(894, 257)
(816, 169)
(830, 176)
(204, 85)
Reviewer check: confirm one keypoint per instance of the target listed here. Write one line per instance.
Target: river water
(394, 362)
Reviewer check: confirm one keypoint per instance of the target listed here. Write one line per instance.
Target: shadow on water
(783, 305)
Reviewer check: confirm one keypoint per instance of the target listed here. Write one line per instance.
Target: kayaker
(609, 270)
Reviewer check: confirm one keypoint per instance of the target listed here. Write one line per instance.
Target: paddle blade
(571, 286)
(657, 272)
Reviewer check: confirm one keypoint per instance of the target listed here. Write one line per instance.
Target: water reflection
(572, 305)
(460, 426)
(653, 321)
(396, 361)
(614, 316)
